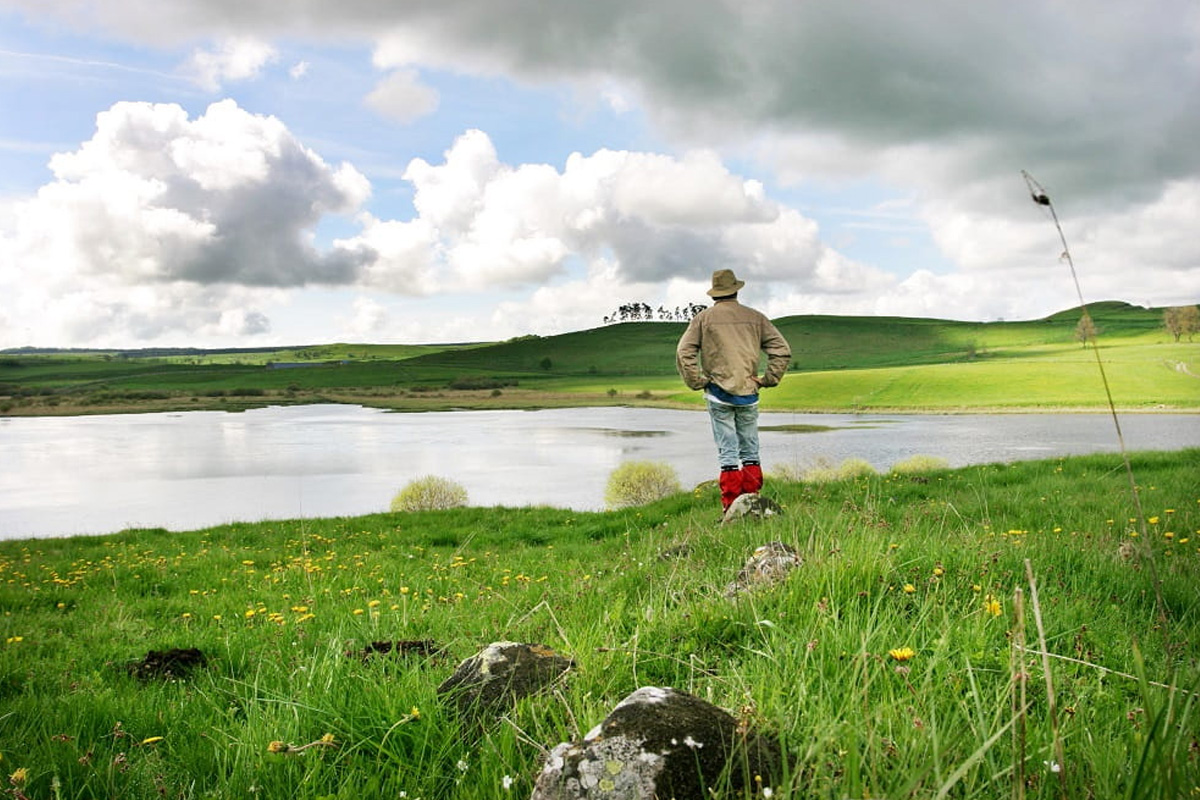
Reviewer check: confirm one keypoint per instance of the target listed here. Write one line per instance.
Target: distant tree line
(642, 312)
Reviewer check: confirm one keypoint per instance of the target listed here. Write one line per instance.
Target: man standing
(719, 353)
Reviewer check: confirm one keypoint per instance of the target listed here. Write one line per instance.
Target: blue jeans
(735, 429)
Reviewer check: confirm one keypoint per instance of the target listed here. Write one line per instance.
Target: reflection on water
(66, 475)
(632, 434)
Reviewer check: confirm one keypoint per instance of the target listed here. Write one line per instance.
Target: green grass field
(895, 662)
(838, 364)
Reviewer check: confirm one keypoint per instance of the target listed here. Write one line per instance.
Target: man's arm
(687, 357)
(779, 354)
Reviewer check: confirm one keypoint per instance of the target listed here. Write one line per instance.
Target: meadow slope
(993, 631)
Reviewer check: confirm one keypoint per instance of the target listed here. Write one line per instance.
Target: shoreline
(533, 401)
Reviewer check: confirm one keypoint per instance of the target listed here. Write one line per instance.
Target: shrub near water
(822, 470)
(430, 493)
(636, 483)
(919, 465)
(888, 663)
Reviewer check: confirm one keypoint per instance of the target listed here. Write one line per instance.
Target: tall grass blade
(1051, 703)
(1019, 703)
(1040, 197)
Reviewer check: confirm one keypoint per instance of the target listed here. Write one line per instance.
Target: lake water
(182, 471)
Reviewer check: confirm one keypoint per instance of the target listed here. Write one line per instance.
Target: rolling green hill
(838, 363)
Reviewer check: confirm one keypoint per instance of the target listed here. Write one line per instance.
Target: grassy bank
(927, 566)
(842, 364)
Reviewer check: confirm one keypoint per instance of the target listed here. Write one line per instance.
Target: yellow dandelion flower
(19, 776)
(902, 653)
(1168, 535)
(938, 572)
(992, 606)
(358, 612)
(415, 713)
(909, 588)
(327, 739)
(278, 747)
(14, 639)
(373, 604)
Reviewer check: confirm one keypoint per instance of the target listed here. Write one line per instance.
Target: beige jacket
(722, 345)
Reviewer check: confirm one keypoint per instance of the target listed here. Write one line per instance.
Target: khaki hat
(724, 283)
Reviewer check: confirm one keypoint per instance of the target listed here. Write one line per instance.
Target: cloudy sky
(258, 172)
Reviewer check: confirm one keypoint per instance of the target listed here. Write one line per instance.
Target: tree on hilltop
(1085, 331)
(641, 312)
(1182, 321)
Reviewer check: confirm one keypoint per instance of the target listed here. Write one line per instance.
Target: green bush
(480, 382)
(636, 483)
(855, 468)
(786, 473)
(430, 493)
(919, 465)
(822, 470)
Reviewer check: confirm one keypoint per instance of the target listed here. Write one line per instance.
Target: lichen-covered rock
(767, 565)
(751, 506)
(680, 550)
(499, 675)
(660, 743)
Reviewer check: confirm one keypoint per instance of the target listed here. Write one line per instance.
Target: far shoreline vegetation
(839, 365)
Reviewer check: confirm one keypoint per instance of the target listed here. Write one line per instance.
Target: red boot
(752, 478)
(731, 485)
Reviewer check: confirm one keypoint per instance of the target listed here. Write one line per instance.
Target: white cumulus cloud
(402, 97)
(159, 222)
(236, 58)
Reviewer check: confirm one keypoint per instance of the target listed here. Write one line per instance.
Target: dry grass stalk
(1019, 702)
(1059, 756)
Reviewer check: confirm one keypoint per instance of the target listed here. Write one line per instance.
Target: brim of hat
(726, 292)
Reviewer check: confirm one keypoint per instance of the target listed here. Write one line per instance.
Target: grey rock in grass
(662, 743)
(751, 506)
(766, 566)
(491, 681)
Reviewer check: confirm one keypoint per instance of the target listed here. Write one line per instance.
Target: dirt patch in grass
(401, 648)
(174, 664)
